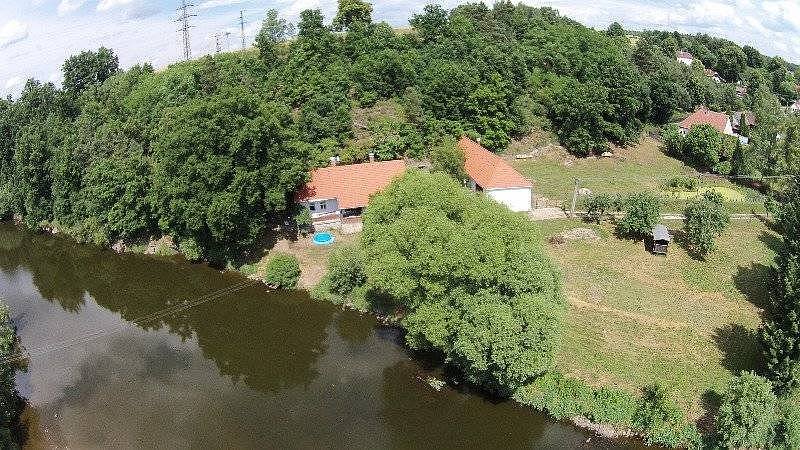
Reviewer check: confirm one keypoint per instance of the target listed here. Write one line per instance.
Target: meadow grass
(643, 167)
(635, 318)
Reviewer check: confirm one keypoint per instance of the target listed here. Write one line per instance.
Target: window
(323, 205)
(312, 207)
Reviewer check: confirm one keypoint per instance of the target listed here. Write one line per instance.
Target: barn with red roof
(337, 192)
(492, 175)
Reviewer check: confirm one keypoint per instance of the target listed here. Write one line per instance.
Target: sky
(36, 36)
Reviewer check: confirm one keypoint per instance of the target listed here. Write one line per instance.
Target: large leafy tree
(352, 12)
(89, 68)
(704, 219)
(471, 276)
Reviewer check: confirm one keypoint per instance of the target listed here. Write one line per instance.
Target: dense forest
(209, 151)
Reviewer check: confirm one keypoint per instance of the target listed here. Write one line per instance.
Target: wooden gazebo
(661, 239)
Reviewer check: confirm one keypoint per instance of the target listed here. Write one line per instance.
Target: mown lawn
(643, 167)
(635, 318)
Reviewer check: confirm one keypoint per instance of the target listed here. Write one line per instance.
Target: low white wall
(516, 199)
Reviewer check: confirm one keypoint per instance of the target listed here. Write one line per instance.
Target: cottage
(685, 57)
(720, 121)
(795, 107)
(661, 239)
(492, 175)
(338, 192)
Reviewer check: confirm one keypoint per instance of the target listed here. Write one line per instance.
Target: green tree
(89, 69)
(748, 414)
(351, 12)
(472, 277)
(448, 157)
(642, 214)
(274, 30)
(780, 335)
(282, 271)
(702, 145)
(346, 269)
(704, 219)
(615, 29)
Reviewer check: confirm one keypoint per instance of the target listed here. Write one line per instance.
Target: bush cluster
(283, 271)
(653, 414)
(683, 183)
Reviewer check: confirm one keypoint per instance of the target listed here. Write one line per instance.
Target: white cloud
(13, 86)
(217, 3)
(105, 5)
(12, 32)
(67, 6)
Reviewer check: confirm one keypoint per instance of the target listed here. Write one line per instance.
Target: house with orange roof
(720, 121)
(337, 192)
(493, 176)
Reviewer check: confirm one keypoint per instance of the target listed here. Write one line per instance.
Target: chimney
(371, 157)
(334, 160)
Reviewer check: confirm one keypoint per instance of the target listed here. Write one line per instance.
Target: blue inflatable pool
(323, 238)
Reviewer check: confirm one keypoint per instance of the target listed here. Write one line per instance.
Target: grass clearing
(313, 258)
(643, 167)
(635, 318)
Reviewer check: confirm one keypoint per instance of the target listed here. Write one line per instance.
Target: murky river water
(136, 352)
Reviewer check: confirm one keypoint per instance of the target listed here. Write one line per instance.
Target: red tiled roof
(704, 115)
(352, 184)
(685, 55)
(488, 170)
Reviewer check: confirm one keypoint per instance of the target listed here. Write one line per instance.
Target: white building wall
(322, 207)
(516, 199)
(729, 128)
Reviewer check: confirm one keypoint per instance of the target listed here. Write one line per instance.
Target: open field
(639, 168)
(635, 318)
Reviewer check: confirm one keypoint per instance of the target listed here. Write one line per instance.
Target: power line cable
(140, 321)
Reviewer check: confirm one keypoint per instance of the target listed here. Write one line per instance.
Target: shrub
(642, 213)
(190, 250)
(599, 206)
(302, 220)
(661, 421)
(248, 269)
(723, 168)
(283, 271)
(613, 406)
(748, 415)
(560, 396)
(683, 184)
(704, 220)
(346, 270)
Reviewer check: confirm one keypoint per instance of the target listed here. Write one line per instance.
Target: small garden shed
(661, 240)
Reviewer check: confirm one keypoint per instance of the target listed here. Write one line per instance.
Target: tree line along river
(129, 351)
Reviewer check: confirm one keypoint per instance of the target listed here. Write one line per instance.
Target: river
(129, 351)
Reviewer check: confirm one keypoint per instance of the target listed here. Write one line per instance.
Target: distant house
(492, 175)
(338, 192)
(738, 116)
(713, 75)
(685, 57)
(720, 121)
(795, 107)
